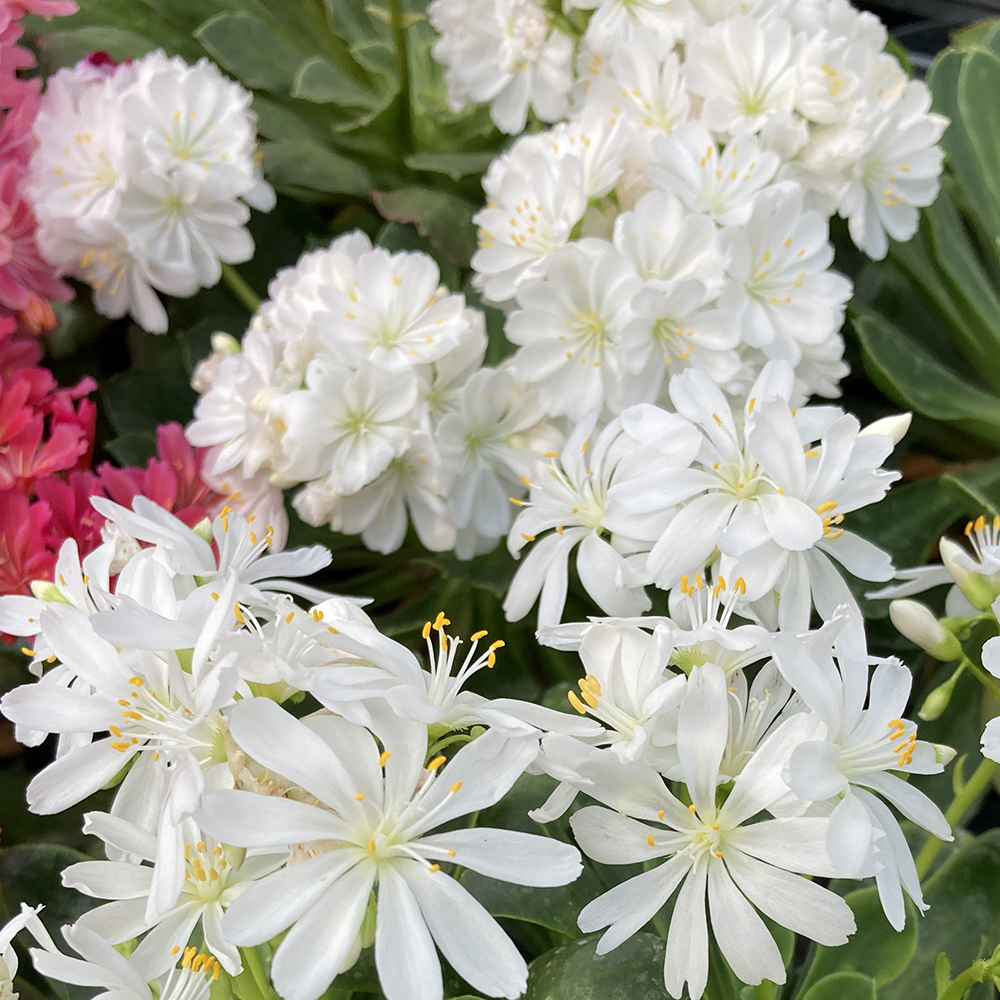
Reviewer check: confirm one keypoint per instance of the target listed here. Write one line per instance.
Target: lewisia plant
(616, 403)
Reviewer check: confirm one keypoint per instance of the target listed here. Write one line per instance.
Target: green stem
(765, 991)
(960, 805)
(984, 678)
(253, 962)
(403, 71)
(976, 973)
(238, 286)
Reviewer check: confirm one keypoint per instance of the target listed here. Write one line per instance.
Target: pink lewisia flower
(43, 8)
(173, 479)
(72, 513)
(26, 280)
(24, 554)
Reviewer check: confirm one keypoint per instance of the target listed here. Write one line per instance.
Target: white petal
(249, 820)
(152, 958)
(108, 879)
(315, 949)
(702, 730)
(812, 771)
(469, 938)
(72, 778)
(408, 967)
(613, 839)
(849, 836)
(744, 940)
(910, 801)
(796, 843)
(792, 901)
(509, 855)
(119, 921)
(686, 958)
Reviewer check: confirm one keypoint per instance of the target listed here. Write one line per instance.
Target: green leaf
(633, 971)
(977, 492)
(842, 986)
(307, 164)
(454, 165)
(556, 909)
(445, 219)
(321, 82)
(252, 49)
(66, 48)
(912, 377)
(964, 900)
(876, 951)
(31, 873)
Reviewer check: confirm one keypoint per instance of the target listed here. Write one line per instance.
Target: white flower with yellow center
(780, 285)
(723, 185)
(744, 69)
(205, 880)
(370, 824)
(568, 328)
(714, 850)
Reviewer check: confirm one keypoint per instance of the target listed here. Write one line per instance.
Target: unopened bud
(894, 427)
(938, 700)
(919, 624)
(979, 591)
(203, 529)
(44, 590)
(943, 754)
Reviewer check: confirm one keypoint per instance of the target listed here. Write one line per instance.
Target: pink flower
(17, 141)
(72, 514)
(26, 280)
(24, 554)
(173, 479)
(44, 8)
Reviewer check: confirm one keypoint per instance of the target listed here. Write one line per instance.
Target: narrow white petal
(408, 967)
(702, 730)
(108, 879)
(686, 958)
(249, 820)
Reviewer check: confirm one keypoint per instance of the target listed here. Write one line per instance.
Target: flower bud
(938, 700)
(894, 427)
(918, 623)
(44, 590)
(979, 591)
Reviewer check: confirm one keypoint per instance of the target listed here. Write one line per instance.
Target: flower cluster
(362, 377)
(142, 178)
(236, 821)
(27, 281)
(742, 760)
(805, 87)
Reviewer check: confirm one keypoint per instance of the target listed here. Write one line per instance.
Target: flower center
(206, 871)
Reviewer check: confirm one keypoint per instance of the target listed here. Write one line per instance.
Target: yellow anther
(175, 950)
(289, 618)
(434, 868)
(716, 418)
(317, 615)
(499, 644)
(525, 480)
(371, 846)
(811, 454)
(27, 651)
(383, 757)
(715, 826)
(692, 808)
(441, 621)
(476, 636)
(426, 630)
(332, 630)
(215, 596)
(740, 585)
(454, 788)
(586, 445)
(527, 538)
(980, 523)
(718, 854)
(516, 502)
(589, 699)
(132, 715)
(576, 703)
(359, 796)
(824, 507)
(491, 659)
(436, 763)
(751, 405)
(137, 681)
(650, 841)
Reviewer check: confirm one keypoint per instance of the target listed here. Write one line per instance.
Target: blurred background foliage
(356, 132)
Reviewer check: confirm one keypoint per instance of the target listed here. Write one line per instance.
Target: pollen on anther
(383, 757)
(454, 788)
(692, 808)
(436, 763)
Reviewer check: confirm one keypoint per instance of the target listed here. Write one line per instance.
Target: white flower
(713, 851)
(568, 327)
(205, 880)
(371, 825)
(27, 918)
(485, 451)
(850, 762)
(780, 284)
(745, 71)
(395, 314)
(897, 174)
(504, 53)
(347, 426)
(723, 185)
(768, 500)
(144, 702)
(535, 200)
(620, 24)
(191, 120)
(183, 226)
(571, 497)
(411, 483)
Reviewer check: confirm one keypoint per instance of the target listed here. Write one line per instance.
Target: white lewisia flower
(991, 661)
(571, 497)
(745, 72)
(146, 704)
(210, 877)
(849, 764)
(713, 851)
(485, 451)
(412, 483)
(535, 198)
(395, 314)
(780, 284)
(620, 24)
(371, 825)
(770, 502)
(192, 120)
(182, 225)
(27, 918)
(115, 976)
(897, 174)
(505, 54)
(724, 185)
(568, 328)
(347, 426)
(373, 667)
